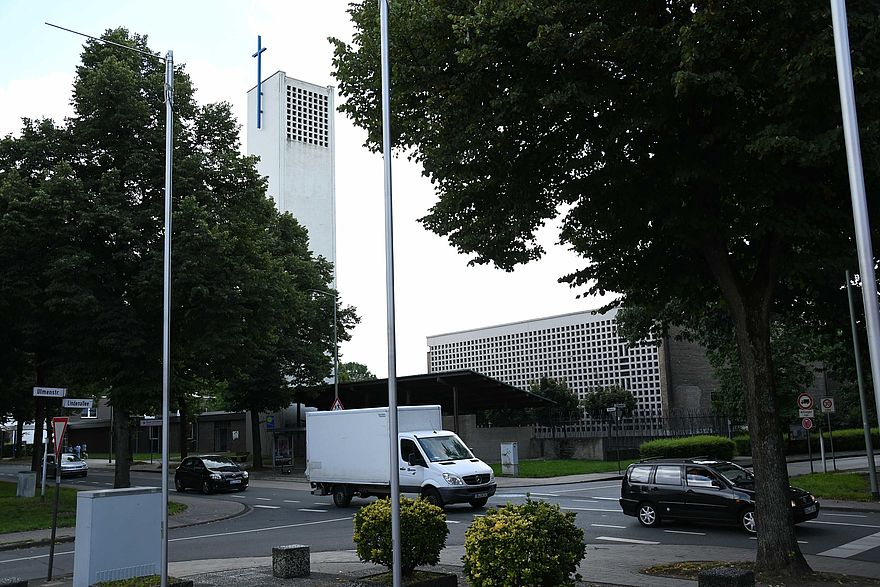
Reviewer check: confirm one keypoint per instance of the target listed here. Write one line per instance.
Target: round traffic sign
(827, 404)
(805, 401)
(807, 423)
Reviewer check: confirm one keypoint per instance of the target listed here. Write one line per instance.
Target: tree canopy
(693, 149)
(81, 252)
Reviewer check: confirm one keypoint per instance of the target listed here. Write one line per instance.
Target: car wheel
(178, 485)
(479, 503)
(341, 496)
(432, 496)
(648, 515)
(206, 489)
(747, 520)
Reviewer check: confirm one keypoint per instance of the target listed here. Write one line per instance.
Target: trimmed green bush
(423, 533)
(717, 447)
(528, 545)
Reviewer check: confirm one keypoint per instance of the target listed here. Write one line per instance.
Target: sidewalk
(604, 565)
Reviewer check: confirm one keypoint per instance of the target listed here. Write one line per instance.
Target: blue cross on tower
(259, 56)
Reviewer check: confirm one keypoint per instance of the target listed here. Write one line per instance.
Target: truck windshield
(444, 448)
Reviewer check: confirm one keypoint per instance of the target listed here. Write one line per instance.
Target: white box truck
(347, 455)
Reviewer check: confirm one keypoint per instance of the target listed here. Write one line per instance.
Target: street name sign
(50, 391)
(153, 422)
(806, 413)
(70, 402)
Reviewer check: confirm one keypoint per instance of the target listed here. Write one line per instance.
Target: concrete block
(291, 561)
(13, 582)
(726, 577)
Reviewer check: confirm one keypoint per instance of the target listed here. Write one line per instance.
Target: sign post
(827, 404)
(805, 411)
(59, 427)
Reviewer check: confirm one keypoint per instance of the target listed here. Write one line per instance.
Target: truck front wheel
(341, 496)
(479, 503)
(432, 496)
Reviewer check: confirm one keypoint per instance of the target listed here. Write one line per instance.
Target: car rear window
(668, 475)
(640, 474)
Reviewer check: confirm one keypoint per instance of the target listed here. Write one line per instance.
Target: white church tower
(292, 133)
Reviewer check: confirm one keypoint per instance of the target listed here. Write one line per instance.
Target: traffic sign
(805, 401)
(59, 427)
(806, 413)
(151, 422)
(50, 391)
(827, 404)
(337, 405)
(611, 409)
(70, 402)
(807, 423)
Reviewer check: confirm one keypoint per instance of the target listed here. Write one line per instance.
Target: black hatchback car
(209, 473)
(702, 490)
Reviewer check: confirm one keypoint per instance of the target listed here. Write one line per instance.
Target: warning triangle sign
(336, 405)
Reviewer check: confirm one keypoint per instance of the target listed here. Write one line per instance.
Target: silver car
(71, 465)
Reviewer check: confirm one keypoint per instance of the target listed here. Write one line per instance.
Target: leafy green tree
(563, 406)
(693, 148)
(597, 400)
(351, 371)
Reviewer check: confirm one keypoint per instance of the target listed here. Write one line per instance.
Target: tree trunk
(257, 440)
(122, 448)
(749, 304)
(183, 427)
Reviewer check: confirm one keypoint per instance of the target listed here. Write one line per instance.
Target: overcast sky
(436, 292)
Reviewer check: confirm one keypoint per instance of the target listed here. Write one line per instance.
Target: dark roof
(476, 392)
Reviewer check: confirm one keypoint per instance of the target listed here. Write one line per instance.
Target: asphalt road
(281, 514)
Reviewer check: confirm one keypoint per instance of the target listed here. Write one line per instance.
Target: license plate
(234, 481)
(810, 509)
(479, 495)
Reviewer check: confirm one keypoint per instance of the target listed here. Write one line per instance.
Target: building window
(89, 413)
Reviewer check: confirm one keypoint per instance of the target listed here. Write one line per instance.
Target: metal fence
(642, 426)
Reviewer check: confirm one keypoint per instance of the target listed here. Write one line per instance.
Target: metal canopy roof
(457, 392)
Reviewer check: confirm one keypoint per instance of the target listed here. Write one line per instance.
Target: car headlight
(453, 479)
(215, 476)
(244, 474)
(491, 476)
(793, 504)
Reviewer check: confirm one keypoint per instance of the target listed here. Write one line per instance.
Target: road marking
(607, 526)
(321, 503)
(545, 494)
(508, 495)
(238, 496)
(592, 510)
(845, 515)
(585, 500)
(684, 532)
(453, 522)
(267, 507)
(843, 524)
(855, 547)
(607, 498)
(271, 528)
(30, 558)
(291, 501)
(627, 540)
(263, 499)
(310, 510)
(589, 488)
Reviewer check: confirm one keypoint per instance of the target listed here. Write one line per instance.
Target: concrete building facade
(585, 350)
(296, 146)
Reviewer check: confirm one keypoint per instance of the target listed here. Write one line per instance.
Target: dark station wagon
(703, 490)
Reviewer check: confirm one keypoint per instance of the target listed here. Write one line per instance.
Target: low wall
(567, 448)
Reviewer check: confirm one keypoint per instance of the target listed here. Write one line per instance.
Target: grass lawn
(559, 467)
(18, 514)
(845, 486)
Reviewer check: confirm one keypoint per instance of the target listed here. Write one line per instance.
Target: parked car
(703, 490)
(71, 466)
(209, 473)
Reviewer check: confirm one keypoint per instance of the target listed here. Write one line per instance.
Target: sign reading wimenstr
(50, 391)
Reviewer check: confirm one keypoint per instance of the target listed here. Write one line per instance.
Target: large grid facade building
(296, 146)
(583, 349)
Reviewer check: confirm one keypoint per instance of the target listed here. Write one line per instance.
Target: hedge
(717, 447)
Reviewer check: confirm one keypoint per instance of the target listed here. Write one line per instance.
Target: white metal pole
(389, 287)
(166, 309)
(857, 191)
(335, 355)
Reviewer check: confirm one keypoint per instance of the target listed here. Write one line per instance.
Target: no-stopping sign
(807, 423)
(827, 404)
(805, 401)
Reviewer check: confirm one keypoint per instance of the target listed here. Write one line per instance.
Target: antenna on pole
(259, 56)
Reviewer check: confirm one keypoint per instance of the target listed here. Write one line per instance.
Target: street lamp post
(335, 345)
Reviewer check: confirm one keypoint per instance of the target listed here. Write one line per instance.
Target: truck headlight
(453, 479)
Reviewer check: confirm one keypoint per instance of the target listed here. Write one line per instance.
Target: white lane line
(607, 526)
(627, 540)
(310, 510)
(607, 498)
(845, 515)
(238, 496)
(267, 507)
(291, 501)
(453, 522)
(545, 494)
(617, 486)
(684, 532)
(618, 511)
(509, 495)
(269, 529)
(855, 547)
(30, 558)
(585, 500)
(263, 499)
(321, 503)
(843, 524)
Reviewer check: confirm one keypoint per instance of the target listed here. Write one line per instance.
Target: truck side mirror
(413, 459)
